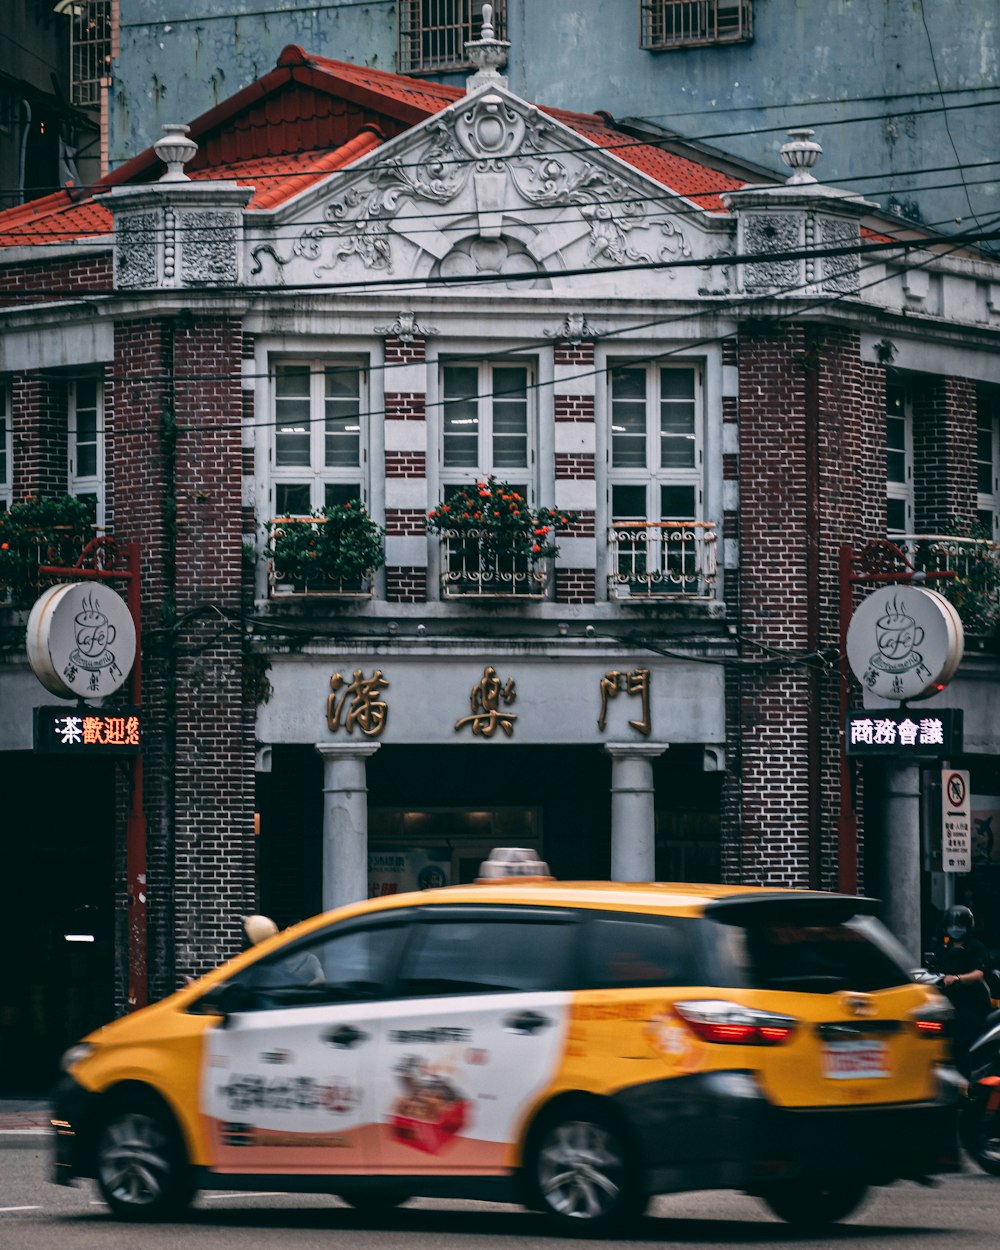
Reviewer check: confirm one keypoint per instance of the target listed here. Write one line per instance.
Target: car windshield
(815, 958)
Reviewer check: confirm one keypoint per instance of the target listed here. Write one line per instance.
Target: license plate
(853, 1061)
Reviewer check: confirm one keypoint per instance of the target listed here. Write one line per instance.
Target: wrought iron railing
(295, 578)
(479, 564)
(975, 591)
(662, 559)
(684, 23)
(21, 555)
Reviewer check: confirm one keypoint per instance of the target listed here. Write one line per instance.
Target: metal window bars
(90, 49)
(689, 23)
(479, 564)
(433, 33)
(662, 559)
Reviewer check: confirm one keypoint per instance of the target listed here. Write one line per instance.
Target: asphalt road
(960, 1213)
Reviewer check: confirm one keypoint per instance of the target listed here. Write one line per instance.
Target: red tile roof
(308, 117)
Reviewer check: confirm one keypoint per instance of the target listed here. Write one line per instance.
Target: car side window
(622, 952)
(345, 964)
(490, 956)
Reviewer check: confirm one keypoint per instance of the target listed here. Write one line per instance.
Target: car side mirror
(224, 1000)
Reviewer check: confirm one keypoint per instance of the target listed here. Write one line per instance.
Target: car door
(287, 1082)
(476, 1035)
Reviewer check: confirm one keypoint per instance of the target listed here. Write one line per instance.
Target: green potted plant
(335, 550)
(40, 531)
(970, 552)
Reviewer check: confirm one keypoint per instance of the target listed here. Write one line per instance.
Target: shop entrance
(417, 848)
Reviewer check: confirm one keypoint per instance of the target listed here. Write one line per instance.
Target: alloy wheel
(580, 1170)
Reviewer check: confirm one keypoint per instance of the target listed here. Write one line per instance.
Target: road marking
(8, 1132)
(5, 1209)
(240, 1193)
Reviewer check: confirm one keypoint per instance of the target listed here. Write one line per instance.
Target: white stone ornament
(81, 640)
(905, 643)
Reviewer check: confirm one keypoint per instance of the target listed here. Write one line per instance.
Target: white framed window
(6, 451)
(433, 33)
(898, 459)
(655, 450)
(988, 459)
(85, 420)
(487, 423)
(319, 453)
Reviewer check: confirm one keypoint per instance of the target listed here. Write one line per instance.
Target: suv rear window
(629, 951)
(813, 958)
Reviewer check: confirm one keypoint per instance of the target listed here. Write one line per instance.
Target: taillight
(932, 1021)
(730, 1024)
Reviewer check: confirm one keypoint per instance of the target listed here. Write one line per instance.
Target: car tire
(139, 1161)
(581, 1173)
(814, 1204)
(979, 1130)
(373, 1201)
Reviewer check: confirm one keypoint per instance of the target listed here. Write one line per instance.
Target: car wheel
(980, 1133)
(140, 1166)
(579, 1173)
(814, 1204)
(374, 1201)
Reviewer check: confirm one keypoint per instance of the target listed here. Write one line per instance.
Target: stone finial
(488, 54)
(801, 155)
(175, 149)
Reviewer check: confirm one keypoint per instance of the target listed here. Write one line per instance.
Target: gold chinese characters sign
(358, 703)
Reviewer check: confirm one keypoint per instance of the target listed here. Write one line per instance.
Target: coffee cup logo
(94, 634)
(897, 636)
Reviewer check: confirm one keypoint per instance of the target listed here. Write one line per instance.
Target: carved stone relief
(840, 273)
(506, 154)
(208, 247)
(136, 250)
(771, 232)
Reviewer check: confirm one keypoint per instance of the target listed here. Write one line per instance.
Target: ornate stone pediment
(490, 187)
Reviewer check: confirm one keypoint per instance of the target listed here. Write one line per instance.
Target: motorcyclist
(962, 961)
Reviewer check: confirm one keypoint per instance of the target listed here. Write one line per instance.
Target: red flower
(536, 547)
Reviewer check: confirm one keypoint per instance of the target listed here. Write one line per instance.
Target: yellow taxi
(577, 1047)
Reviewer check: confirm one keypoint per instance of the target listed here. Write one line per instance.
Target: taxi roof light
(513, 861)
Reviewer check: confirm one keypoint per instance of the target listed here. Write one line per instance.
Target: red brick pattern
(405, 406)
(576, 585)
(574, 466)
(405, 584)
(582, 527)
(39, 410)
(574, 353)
(405, 464)
(31, 282)
(944, 448)
(573, 407)
(405, 522)
(399, 353)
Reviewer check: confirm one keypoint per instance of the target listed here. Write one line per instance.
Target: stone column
(633, 826)
(901, 855)
(345, 821)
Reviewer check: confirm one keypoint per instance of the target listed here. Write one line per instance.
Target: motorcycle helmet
(958, 923)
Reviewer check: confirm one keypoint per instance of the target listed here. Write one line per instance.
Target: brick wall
(944, 449)
(39, 426)
(26, 283)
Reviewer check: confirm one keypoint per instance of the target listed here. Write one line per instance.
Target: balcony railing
(475, 565)
(302, 553)
(662, 560)
(20, 581)
(975, 592)
(280, 587)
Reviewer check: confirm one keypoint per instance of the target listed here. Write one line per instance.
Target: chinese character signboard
(903, 733)
(956, 821)
(87, 731)
(400, 870)
(905, 643)
(81, 641)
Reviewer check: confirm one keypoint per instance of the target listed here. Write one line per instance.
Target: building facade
(349, 289)
(905, 95)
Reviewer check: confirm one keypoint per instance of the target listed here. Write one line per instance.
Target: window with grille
(320, 436)
(90, 49)
(6, 447)
(689, 23)
(899, 459)
(988, 459)
(86, 442)
(433, 33)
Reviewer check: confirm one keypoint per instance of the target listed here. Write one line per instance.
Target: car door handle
(344, 1037)
(527, 1023)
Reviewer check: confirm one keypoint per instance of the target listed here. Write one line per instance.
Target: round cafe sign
(81, 640)
(905, 642)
